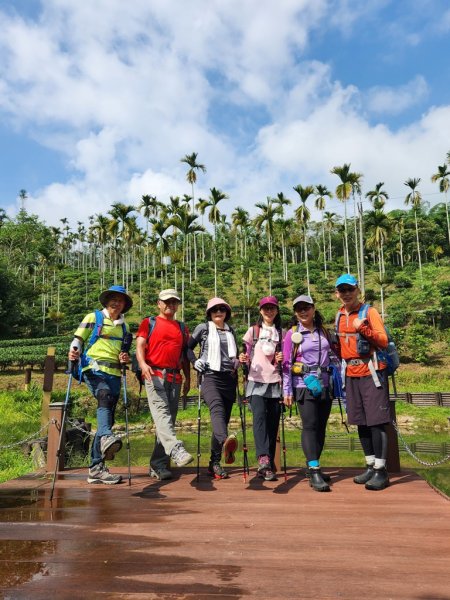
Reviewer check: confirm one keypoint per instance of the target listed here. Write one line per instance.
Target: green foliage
(418, 339)
(402, 281)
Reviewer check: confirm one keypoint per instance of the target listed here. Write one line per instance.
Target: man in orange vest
(366, 381)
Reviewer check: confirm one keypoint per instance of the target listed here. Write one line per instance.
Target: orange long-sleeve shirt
(372, 329)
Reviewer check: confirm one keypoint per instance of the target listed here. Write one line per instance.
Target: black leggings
(373, 440)
(219, 393)
(266, 418)
(314, 413)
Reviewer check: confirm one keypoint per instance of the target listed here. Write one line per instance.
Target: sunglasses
(301, 307)
(219, 309)
(346, 288)
(269, 307)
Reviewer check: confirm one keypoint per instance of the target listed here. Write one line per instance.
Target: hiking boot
(366, 476)
(216, 470)
(229, 448)
(379, 480)
(100, 474)
(325, 476)
(263, 464)
(160, 474)
(109, 446)
(180, 456)
(317, 482)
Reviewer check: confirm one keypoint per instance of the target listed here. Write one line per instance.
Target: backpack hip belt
(358, 361)
(106, 363)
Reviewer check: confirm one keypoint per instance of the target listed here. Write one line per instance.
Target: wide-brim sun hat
(218, 302)
(347, 279)
(116, 289)
(303, 298)
(268, 300)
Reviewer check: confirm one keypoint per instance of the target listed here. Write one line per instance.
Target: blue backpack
(389, 355)
(96, 333)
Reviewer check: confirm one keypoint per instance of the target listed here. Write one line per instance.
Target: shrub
(402, 281)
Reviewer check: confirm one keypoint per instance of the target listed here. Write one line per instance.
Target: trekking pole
(199, 416)
(283, 441)
(70, 370)
(283, 408)
(242, 413)
(126, 345)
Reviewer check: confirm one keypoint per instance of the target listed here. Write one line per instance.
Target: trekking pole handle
(72, 367)
(126, 345)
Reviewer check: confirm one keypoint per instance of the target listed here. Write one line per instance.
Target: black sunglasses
(346, 288)
(219, 309)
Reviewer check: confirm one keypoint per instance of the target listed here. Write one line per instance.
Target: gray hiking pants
(163, 397)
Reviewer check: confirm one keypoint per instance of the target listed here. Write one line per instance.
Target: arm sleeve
(193, 341)
(287, 363)
(85, 327)
(248, 341)
(143, 329)
(373, 329)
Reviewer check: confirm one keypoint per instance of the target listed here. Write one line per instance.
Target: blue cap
(347, 279)
(116, 289)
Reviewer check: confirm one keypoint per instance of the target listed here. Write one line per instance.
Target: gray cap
(305, 299)
(168, 294)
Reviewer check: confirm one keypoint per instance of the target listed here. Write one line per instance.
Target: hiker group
(305, 365)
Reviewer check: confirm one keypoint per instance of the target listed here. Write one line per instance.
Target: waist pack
(313, 385)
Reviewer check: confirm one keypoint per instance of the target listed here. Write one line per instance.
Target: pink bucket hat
(218, 302)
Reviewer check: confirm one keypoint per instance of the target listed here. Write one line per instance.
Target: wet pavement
(222, 539)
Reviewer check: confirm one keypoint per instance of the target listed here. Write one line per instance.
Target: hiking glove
(200, 365)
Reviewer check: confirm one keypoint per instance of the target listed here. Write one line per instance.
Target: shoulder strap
(336, 321)
(151, 327)
(99, 318)
(363, 311)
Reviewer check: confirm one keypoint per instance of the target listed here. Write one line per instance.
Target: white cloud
(395, 100)
(124, 91)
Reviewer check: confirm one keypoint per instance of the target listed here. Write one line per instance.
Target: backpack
(389, 355)
(151, 326)
(95, 335)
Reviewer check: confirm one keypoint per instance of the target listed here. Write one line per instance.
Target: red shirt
(165, 344)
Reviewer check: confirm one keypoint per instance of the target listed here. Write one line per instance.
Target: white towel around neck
(214, 345)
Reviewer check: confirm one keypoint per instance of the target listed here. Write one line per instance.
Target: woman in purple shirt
(306, 357)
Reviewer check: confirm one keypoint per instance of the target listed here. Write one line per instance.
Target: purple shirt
(307, 353)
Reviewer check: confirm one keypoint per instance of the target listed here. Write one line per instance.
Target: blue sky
(100, 100)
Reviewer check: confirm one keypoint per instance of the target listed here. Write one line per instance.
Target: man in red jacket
(161, 358)
(366, 381)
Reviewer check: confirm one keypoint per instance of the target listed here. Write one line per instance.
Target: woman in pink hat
(262, 353)
(217, 363)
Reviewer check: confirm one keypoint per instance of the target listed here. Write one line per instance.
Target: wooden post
(49, 371)
(27, 379)
(54, 430)
(393, 457)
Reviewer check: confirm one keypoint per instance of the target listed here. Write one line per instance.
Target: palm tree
(215, 197)
(269, 210)
(398, 225)
(239, 221)
(191, 175)
(282, 201)
(343, 192)
(379, 227)
(322, 192)
(415, 198)
(23, 196)
(303, 214)
(377, 196)
(443, 177)
(330, 220)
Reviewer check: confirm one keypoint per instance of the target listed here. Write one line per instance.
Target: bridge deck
(223, 539)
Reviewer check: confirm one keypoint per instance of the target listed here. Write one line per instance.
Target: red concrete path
(223, 540)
